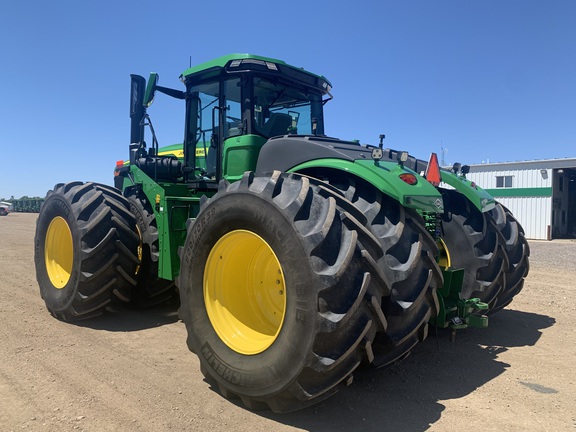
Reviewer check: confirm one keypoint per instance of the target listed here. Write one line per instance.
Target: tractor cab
(234, 104)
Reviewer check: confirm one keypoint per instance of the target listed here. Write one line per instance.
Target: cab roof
(237, 59)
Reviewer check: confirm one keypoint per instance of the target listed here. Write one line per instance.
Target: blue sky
(488, 80)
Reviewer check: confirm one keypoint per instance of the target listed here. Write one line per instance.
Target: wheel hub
(244, 292)
(59, 252)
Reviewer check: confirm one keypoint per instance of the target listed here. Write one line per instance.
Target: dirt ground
(131, 371)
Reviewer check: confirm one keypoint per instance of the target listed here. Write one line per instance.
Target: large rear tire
(408, 261)
(471, 241)
(150, 289)
(279, 291)
(85, 250)
(517, 251)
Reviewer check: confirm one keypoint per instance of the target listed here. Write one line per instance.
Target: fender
(481, 199)
(318, 155)
(477, 196)
(385, 176)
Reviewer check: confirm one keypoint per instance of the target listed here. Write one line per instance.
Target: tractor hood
(292, 150)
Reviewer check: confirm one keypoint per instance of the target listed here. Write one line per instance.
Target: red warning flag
(432, 174)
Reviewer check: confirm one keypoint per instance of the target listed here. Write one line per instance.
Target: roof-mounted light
(377, 153)
(238, 62)
(402, 157)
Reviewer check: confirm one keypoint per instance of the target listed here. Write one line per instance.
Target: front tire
(85, 250)
(280, 298)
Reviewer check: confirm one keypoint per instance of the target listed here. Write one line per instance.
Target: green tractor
(297, 257)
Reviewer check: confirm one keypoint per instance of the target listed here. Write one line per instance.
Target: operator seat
(212, 156)
(277, 124)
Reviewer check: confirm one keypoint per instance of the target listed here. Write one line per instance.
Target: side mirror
(150, 89)
(137, 84)
(137, 110)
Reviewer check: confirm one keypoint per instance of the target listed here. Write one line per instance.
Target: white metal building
(541, 194)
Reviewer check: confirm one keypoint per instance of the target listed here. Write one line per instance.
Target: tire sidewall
(146, 242)
(275, 368)
(464, 229)
(137, 209)
(57, 299)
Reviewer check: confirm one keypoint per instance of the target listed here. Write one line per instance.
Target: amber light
(408, 178)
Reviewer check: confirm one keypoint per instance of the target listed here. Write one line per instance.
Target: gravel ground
(131, 371)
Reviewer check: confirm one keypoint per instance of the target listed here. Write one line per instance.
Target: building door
(564, 203)
(570, 179)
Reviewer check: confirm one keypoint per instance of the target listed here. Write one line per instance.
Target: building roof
(521, 165)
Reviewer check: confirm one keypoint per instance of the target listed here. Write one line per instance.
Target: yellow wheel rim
(444, 258)
(244, 292)
(59, 252)
(139, 250)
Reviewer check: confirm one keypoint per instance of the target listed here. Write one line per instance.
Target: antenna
(443, 151)
(190, 61)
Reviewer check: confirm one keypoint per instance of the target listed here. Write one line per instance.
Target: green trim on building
(520, 192)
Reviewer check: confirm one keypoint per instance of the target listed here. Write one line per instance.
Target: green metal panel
(385, 176)
(173, 204)
(240, 155)
(478, 196)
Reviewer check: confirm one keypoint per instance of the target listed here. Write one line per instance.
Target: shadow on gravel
(127, 319)
(406, 396)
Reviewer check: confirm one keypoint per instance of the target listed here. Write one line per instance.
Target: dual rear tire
(85, 250)
(490, 246)
(517, 250)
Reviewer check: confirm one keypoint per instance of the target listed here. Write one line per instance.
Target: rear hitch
(456, 313)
